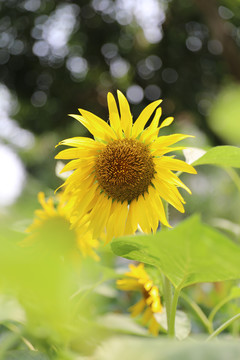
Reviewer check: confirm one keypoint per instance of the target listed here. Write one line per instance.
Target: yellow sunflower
(52, 226)
(137, 279)
(122, 175)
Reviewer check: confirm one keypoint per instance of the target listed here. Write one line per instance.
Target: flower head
(52, 225)
(137, 279)
(121, 176)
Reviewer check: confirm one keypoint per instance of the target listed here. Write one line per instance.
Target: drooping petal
(84, 199)
(132, 222)
(147, 315)
(169, 193)
(159, 209)
(117, 220)
(167, 174)
(139, 212)
(137, 308)
(154, 326)
(100, 214)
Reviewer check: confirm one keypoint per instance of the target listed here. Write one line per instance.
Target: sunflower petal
(166, 122)
(100, 214)
(169, 193)
(79, 142)
(114, 115)
(96, 126)
(169, 139)
(144, 117)
(175, 164)
(137, 308)
(126, 116)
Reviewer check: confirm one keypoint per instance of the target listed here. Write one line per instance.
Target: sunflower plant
(124, 179)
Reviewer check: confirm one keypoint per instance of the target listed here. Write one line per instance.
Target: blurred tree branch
(221, 31)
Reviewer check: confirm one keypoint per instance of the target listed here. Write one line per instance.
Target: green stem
(171, 328)
(168, 299)
(198, 311)
(223, 327)
(217, 307)
(167, 286)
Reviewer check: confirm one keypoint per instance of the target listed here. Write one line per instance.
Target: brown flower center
(124, 169)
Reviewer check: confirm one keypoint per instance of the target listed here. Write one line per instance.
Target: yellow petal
(112, 221)
(166, 122)
(169, 193)
(169, 139)
(144, 117)
(175, 164)
(117, 220)
(79, 142)
(137, 308)
(96, 126)
(100, 214)
(147, 316)
(126, 116)
(84, 199)
(131, 223)
(71, 165)
(154, 326)
(150, 215)
(167, 174)
(152, 211)
(155, 122)
(128, 284)
(114, 115)
(139, 211)
(158, 205)
(74, 153)
(122, 216)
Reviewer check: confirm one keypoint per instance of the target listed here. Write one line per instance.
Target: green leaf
(222, 156)
(192, 252)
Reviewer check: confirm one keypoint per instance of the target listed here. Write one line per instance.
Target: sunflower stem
(167, 286)
(171, 328)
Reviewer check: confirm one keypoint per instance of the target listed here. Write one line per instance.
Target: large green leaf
(192, 252)
(221, 156)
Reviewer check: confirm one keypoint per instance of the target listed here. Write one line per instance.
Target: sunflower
(137, 279)
(121, 176)
(52, 228)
